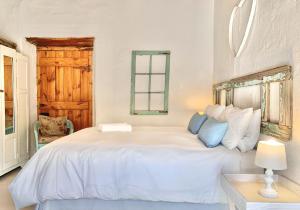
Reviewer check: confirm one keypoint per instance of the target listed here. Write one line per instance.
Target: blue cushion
(212, 132)
(196, 122)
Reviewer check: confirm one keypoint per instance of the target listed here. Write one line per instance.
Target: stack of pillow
(231, 126)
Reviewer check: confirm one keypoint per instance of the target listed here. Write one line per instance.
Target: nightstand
(242, 192)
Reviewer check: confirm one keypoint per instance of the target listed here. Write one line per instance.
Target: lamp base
(268, 191)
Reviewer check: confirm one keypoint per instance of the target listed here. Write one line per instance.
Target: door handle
(1, 91)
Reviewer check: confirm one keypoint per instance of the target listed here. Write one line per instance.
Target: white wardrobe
(14, 115)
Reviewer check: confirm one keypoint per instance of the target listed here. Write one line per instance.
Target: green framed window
(150, 73)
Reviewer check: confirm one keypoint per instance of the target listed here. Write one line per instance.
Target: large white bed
(162, 164)
(164, 168)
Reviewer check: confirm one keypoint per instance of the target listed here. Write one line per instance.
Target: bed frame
(273, 90)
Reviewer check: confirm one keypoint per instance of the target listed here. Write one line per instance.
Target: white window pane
(157, 102)
(157, 83)
(158, 63)
(223, 98)
(141, 101)
(274, 102)
(245, 97)
(142, 64)
(141, 83)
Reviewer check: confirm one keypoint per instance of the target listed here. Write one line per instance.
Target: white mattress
(151, 163)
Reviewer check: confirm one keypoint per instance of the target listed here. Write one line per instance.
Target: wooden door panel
(38, 77)
(51, 83)
(84, 90)
(43, 84)
(60, 113)
(68, 83)
(70, 62)
(76, 84)
(65, 84)
(59, 54)
(59, 84)
(63, 105)
(77, 119)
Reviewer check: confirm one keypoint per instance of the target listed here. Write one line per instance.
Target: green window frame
(150, 74)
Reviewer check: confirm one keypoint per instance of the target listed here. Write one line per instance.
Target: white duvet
(152, 164)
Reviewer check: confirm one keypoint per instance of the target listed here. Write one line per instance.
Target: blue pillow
(212, 132)
(195, 123)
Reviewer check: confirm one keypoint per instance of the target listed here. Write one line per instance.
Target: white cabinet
(14, 116)
(242, 193)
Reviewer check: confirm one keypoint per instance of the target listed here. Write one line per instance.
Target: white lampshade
(271, 155)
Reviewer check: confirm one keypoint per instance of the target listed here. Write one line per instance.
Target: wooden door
(65, 83)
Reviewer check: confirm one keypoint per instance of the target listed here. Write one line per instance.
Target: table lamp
(271, 156)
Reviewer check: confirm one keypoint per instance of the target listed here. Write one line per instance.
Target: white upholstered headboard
(270, 91)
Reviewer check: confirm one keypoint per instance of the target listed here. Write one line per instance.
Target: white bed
(162, 164)
(96, 204)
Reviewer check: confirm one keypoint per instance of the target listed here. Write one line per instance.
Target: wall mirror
(241, 21)
(9, 96)
(270, 91)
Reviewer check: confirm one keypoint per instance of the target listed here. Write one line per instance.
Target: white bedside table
(242, 193)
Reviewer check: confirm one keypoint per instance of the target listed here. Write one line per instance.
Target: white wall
(274, 41)
(120, 26)
(223, 60)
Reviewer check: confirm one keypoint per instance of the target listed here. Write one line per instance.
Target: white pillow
(238, 122)
(250, 139)
(214, 110)
(222, 116)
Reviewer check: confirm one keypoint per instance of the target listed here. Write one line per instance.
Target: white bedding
(151, 164)
(96, 204)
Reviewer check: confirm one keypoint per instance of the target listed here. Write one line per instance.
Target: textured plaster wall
(274, 41)
(223, 59)
(120, 26)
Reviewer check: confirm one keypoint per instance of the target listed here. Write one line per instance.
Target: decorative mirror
(9, 96)
(270, 91)
(241, 21)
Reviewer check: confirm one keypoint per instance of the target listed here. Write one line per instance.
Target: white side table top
(242, 191)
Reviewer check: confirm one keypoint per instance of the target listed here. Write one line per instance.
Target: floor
(6, 202)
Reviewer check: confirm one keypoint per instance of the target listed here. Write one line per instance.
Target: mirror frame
(6, 51)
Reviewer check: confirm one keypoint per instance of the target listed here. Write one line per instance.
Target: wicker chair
(36, 128)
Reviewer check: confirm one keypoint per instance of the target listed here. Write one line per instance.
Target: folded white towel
(115, 127)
